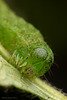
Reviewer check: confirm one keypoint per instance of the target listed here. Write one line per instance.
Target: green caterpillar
(30, 53)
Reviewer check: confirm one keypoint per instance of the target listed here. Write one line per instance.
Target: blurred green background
(50, 17)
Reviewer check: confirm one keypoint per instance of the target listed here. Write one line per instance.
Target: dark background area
(50, 17)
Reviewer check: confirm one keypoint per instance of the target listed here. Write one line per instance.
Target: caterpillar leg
(17, 59)
(13, 55)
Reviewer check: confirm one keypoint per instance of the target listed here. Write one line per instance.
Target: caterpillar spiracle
(31, 55)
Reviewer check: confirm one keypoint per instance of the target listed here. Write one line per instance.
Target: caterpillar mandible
(30, 53)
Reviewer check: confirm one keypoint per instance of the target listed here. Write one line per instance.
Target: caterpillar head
(39, 59)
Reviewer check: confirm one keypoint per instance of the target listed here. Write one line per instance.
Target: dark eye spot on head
(40, 52)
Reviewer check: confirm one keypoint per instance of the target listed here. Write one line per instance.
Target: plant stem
(4, 52)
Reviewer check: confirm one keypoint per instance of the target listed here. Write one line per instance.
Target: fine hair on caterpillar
(18, 60)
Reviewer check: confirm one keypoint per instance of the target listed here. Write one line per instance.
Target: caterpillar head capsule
(40, 58)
